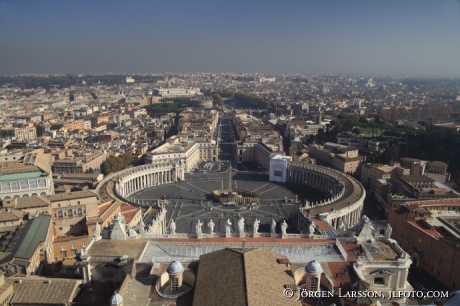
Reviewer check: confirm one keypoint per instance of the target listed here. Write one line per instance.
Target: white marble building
(278, 168)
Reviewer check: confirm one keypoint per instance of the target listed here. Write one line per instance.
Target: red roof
(128, 211)
(322, 225)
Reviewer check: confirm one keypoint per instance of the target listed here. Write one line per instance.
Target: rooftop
(45, 291)
(244, 271)
(381, 250)
(300, 252)
(23, 242)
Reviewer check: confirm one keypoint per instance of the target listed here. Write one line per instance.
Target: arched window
(314, 284)
(79, 211)
(69, 213)
(59, 214)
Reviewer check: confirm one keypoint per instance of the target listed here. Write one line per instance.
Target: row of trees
(116, 163)
(433, 109)
(217, 99)
(163, 108)
(251, 101)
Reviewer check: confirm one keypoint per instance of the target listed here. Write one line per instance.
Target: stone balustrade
(346, 194)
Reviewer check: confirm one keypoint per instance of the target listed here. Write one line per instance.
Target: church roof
(242, 277)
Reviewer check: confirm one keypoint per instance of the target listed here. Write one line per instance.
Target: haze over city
(231, 153)
(337, 37)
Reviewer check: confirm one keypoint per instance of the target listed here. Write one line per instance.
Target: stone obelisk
(230, 179)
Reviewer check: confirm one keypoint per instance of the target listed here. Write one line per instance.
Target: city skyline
(412, 38)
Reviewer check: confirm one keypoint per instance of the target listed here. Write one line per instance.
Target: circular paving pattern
(191, 200)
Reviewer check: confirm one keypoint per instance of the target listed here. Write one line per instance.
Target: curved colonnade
(345, 201)
(123, 184)
(344, 204)
(135, 179)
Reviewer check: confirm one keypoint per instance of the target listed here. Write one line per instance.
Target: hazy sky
(400, 37)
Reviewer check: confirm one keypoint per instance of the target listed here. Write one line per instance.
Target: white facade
(166, 93)
(26, 188)
(278, 168)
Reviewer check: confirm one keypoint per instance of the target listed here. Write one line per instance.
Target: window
(447, 265)
(69, 213)
(59, 214)
(379, 281)
(314, 284)
(174, 284)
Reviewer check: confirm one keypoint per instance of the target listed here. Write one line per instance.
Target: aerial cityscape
(243, 153)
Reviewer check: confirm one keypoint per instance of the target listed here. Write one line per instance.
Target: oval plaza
(337, 197)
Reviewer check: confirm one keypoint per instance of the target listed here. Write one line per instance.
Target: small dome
(116, 299)
(175, 267)
(313, 267)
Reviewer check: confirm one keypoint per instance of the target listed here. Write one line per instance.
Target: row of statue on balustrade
(228, 227)
(141, 228)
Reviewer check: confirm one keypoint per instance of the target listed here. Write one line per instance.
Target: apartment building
(429, 232)
(70, 211)
(192, 152)
(83, 163)
(24, 133)
(25, 248)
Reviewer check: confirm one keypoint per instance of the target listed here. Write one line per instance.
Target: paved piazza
(190, 200)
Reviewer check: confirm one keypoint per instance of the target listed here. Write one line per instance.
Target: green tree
(217, 99)
(114, 164)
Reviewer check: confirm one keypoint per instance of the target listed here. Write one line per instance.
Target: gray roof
(37, 233)
(24, 241)
(417, 178)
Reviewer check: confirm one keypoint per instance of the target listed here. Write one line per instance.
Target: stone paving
(191, 200)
